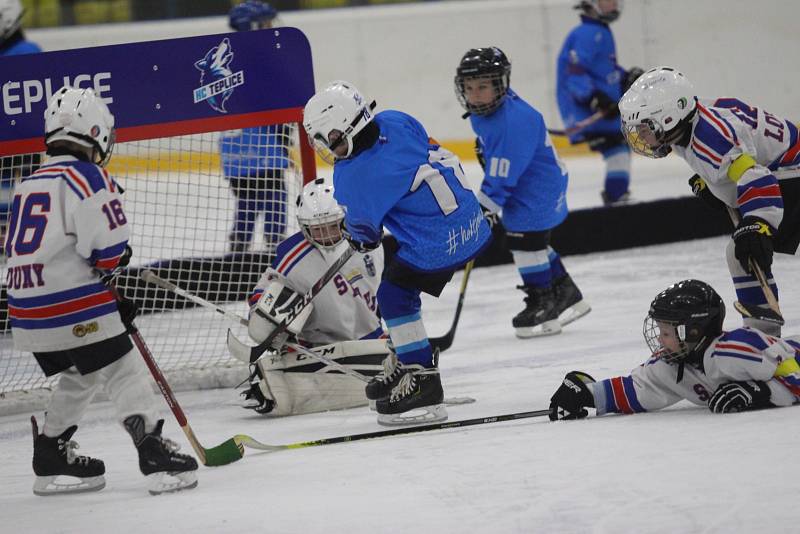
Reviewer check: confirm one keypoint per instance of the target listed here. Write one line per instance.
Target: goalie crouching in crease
(346, 309)
(694, 359)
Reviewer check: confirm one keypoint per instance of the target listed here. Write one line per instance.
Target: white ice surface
(681, 470)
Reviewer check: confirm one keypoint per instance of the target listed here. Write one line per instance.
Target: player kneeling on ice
(525, 179)
(68, 227)
(746, 160)
(389, 173)
(288, 382)
(693, 359)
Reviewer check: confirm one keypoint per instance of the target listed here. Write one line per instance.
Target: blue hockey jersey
(250, 151)
(588, 63)
(417, 190)
(19, 47)
(523, 174)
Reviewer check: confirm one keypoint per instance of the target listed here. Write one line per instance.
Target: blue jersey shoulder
(20, 48)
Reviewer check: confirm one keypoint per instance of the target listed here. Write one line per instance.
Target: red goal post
(209, 134)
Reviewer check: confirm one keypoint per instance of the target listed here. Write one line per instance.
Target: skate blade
(574, 312)
(549, 328)
(430, 414)
(47, 485)
(177, 481)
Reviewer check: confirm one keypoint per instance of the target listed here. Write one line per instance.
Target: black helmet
(695, 310)
(487, 63)
(591, 9)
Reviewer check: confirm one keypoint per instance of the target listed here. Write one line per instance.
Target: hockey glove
(359, 246)
(753, 241)
(128, 310)
(602, 102)
(491, 217)
(740, 397)
(479, 154)
(701, 191)
(572, 398)
(631, 76)
(254, 398)
(125, 259)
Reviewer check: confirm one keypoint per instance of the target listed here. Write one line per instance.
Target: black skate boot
(419, 390)
(569, 300)
(54, 457)
(540, 316)
(158, 457)
(382, 384)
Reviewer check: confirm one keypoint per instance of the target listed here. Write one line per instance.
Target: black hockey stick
(444, 342)
(255, 444)
(578, 126)
(773, 313)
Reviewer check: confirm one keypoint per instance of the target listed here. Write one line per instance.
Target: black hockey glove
(572, 398)
(491, 217)
(631, 76)
(479, 154)
(701, 191)
(125, 259)
(753, 241)
(359, 246)
(740, 397)
(602, 102)
(128, 310)
(254, 398)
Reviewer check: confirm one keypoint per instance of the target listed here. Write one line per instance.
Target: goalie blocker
(297, 384)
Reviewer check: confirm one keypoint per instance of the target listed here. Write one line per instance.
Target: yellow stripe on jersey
(740, 166)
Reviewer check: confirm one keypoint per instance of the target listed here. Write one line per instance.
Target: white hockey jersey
(742, 152)
(739, 355)
(66, 223)
(347, 307)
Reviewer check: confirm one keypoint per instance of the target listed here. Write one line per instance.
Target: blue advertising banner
(211, 78)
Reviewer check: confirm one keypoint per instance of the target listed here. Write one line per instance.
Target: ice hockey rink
(680, 470)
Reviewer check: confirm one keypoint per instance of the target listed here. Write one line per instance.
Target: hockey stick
(773, 314)
(255, 444)
(444, 342)
(578, 126)
(225, 453)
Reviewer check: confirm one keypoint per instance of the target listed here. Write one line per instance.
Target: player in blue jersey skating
(254, 160)
(589, 80)
(527, 182)
(389, 174)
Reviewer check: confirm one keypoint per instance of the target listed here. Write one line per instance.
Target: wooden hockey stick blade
(753, 311)
(252, 443)
(446, 341)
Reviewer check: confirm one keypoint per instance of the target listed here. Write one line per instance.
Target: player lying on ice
(693, 359)
(288, 382)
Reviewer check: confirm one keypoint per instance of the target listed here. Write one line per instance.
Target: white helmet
(10, 18)
(319, 215)
(338, 107)
(655, 111)
(79, 116)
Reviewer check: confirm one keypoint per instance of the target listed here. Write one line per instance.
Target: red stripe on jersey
(79, 180)
(706, 151)
(720, 125)
(54, 310)
(619, 395)
(297, 250)
(109, 181)
(790, 154)
(736, 346)
(109, 263)
(760, 192)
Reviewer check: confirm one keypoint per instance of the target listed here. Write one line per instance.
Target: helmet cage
(326, 148)
(591, 8)
(651, 330)
(647, 137)
(319, 215)
(500, 82)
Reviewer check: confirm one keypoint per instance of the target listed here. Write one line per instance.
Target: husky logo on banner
(217, 79)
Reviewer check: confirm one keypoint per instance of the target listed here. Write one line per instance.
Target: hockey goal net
(190, 212)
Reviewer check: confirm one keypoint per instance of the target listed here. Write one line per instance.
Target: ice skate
(569, 300)
(55, 457)
(540, 316)
(624, 199)
(165, 469)
(417, 398)
(382, 384)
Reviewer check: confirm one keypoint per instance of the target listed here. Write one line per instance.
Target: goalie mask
(482, 80)
(333, 117)
(656, 111)
(80, 117)
(683, 320)
(606, 11)
(10, 18)
(319, 215)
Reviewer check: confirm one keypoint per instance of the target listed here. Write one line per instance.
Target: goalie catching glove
(572, 398)
(277, 305)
